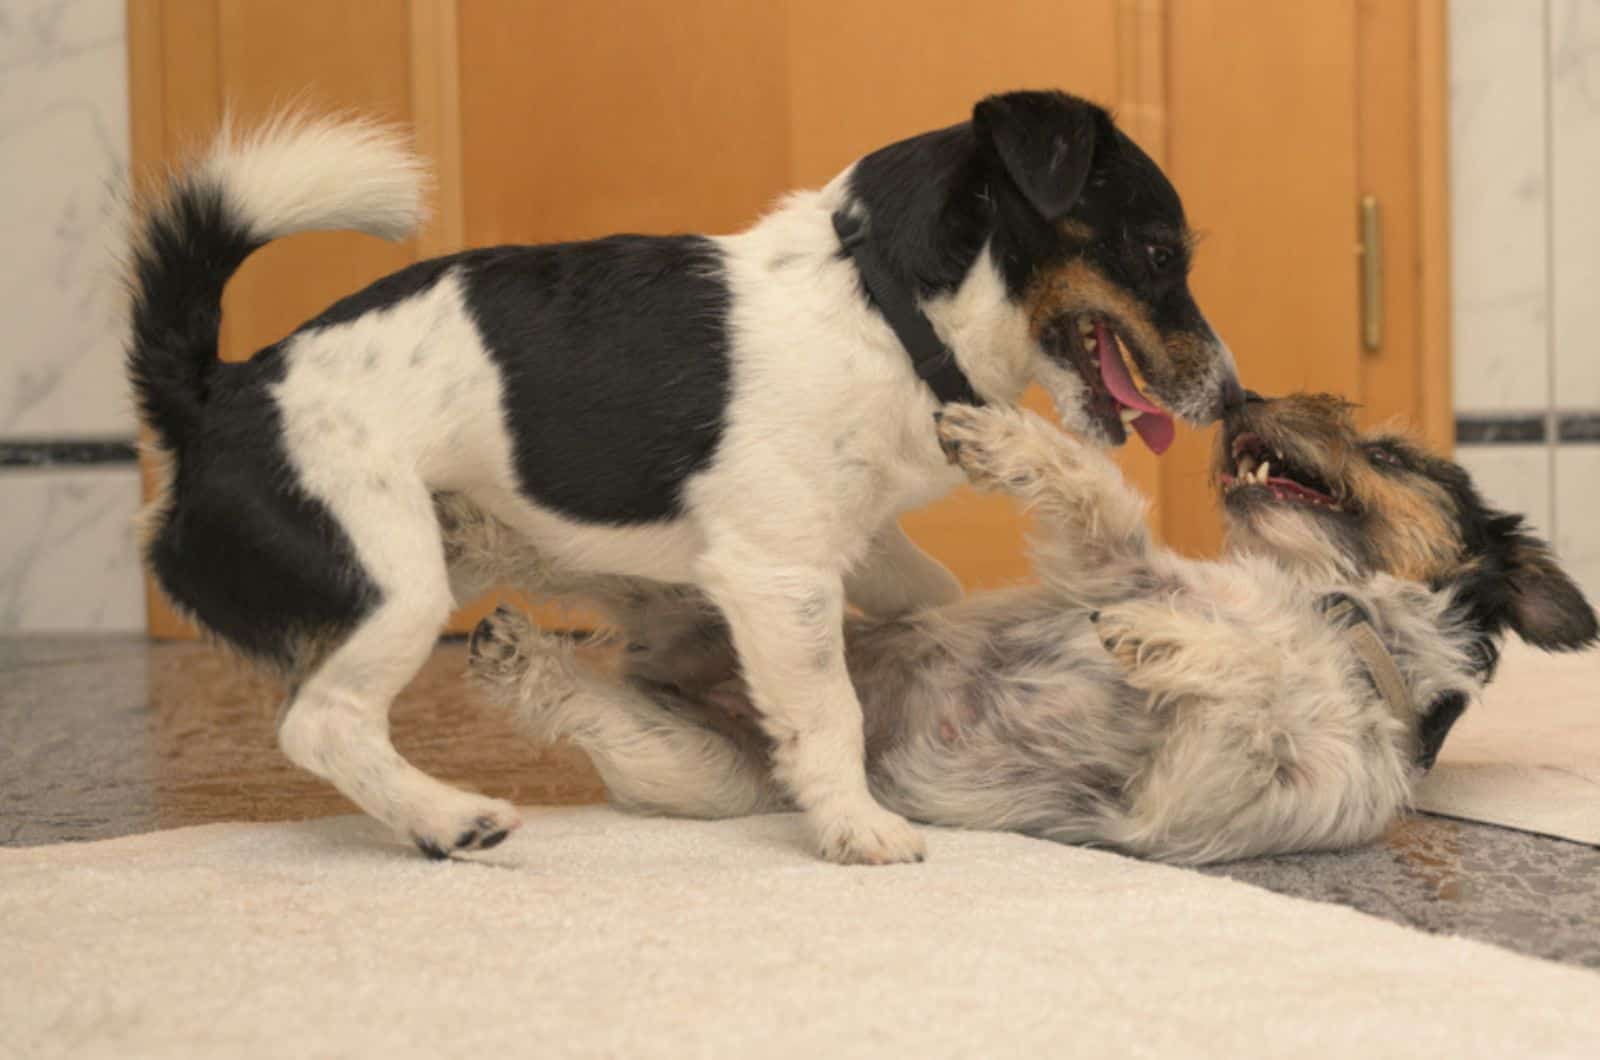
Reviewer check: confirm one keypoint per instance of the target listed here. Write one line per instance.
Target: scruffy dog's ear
(1546, 609)
(1044, 141)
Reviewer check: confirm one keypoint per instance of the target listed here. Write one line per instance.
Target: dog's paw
(472, 822)
(869, 835)
(482, 825)
(497, 646)
(998, 448)
(523, 669)
(1119, 635)
(1133, 645)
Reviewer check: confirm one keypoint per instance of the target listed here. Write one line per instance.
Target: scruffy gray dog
(1283, 698)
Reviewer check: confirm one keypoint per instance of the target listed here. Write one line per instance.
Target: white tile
(1578, 514)
(1499, 197)
(68, 558)
(1514, 478)
(1575, 223)
(63, 158)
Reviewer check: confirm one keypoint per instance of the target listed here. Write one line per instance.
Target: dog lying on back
(1283, 698)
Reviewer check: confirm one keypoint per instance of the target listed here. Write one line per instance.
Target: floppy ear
(1045, 142)
(1546, 609)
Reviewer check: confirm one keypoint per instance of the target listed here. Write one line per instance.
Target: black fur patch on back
(614, 357)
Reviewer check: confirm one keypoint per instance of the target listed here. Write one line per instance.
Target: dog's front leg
(896, 576)
(1090, 537)
(787, 624)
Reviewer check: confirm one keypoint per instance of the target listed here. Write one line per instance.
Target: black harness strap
(932, 360)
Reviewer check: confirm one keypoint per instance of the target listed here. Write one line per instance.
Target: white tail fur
(299, 174)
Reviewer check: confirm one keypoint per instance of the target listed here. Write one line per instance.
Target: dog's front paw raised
(869, 835)
(985, 443)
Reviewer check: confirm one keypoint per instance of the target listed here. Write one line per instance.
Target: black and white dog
(739, 413)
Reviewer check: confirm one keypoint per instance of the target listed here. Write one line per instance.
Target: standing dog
(736, 413)
(1282, 699)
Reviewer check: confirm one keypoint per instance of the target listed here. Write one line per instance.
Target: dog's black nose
(1233, 395)
(1253, 398)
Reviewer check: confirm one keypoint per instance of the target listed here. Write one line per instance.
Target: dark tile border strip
(68, 453)
(1526, 428)
(1502, 430)
(1578, 427)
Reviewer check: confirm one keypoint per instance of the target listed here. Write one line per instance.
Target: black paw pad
(482, 634)
(432, 850)
(493, 839)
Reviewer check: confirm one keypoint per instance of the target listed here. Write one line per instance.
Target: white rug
(1528, 756)
(594, 934)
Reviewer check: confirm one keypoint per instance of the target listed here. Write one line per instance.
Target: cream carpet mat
(1528, 755)
(594, 934)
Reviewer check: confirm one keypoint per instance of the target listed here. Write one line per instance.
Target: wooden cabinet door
(1280, 118)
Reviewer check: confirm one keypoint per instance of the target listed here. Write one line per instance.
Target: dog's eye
(1161, 258)
(1383, 456)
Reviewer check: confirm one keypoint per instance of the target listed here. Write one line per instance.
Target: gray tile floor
(108, 736)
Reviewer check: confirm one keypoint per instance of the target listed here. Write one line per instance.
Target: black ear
(1435, 725)
(1546, 609)
(1045, 141)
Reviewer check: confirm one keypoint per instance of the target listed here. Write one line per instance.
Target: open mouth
(1115, 400)
(1259, 466)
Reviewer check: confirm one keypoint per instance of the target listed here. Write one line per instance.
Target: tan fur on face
(1076, 230)
(1407, 523)
(1172, 363)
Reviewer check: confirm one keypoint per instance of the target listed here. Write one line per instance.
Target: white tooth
(1266, 466)
(1091, 344)
(1085, 326)
(1129, 415)
(1247, 465)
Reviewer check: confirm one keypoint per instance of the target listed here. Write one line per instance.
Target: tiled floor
(103, 736)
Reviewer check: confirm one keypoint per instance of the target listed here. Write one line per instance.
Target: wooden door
(550, 120)
(1280, 118)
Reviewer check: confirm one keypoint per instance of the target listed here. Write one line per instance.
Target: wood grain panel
(581, 120)
(865, 75)
(1387, 158)
(436, 118)
(1261, 142)
(334, 55)
(1437, 407)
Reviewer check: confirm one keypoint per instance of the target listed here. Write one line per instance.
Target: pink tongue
(1154, 426)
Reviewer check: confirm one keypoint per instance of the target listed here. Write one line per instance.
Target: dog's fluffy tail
(294, 174)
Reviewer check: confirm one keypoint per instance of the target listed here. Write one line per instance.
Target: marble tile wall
(1525, 143)
(67, 557)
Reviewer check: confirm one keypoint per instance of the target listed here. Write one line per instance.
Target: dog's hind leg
(652, 758)
(337, 724)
